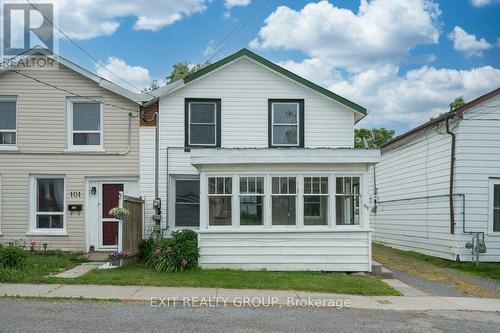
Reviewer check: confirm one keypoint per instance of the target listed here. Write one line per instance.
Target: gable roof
(102, 82)
(457, 112)
(270, 65)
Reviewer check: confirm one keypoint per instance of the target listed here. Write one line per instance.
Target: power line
(83, 50)
(222, 44)
(68, 91)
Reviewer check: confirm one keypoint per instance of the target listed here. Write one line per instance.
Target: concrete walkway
(78, 270)
(166, 296)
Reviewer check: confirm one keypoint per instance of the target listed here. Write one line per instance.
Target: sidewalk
(158, 296)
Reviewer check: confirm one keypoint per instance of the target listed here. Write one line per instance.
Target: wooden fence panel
(132, 225)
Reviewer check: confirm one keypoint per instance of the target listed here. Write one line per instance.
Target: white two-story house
(261, 163)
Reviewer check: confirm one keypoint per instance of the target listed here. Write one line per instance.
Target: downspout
(452, 175)
(375, 192)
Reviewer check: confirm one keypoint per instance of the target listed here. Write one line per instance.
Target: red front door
(110, 199)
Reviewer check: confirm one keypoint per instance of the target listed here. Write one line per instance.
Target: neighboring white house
(261, 163)
(413, 184)
(69, 143)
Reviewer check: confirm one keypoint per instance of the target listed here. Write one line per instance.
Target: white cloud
(482, 3)
(136, 75)
(382, 31)
(210, 49)
(468, 44)
(85, 19)
(235, 3)
(408, 99)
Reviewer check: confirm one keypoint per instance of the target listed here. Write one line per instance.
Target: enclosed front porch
(305, 209)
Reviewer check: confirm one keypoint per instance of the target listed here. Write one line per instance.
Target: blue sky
(407, 61)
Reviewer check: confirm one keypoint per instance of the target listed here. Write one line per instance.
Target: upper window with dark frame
(286, 123)
(203, 122)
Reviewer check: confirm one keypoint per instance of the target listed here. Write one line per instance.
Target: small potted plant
(117, 258)
(119, 213)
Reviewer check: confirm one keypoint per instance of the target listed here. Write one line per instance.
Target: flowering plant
(118, 255)
(119, 213)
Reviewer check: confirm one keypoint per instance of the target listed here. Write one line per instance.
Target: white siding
(286, 250)
(418, 167)
(478, 159)
(413, 170)
(147, 174)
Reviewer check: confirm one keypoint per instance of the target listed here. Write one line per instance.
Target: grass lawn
(487, 270)
(39, 265)
(223, 278)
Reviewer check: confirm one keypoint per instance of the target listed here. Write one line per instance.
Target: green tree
(182, 69)
(153, 86)
(457, 102)
(374, 137)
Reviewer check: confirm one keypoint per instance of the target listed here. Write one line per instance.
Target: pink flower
(168, 249)
(184, 263)
(158, 252)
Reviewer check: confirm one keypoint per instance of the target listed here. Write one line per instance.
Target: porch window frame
(264, 197)
(10, 146)
(217, 119)
(300, 123)
(298, 201)
(330, 220)
(33, 188)
(362, 217)
(232, 196)
(70, 126)
(493, 182)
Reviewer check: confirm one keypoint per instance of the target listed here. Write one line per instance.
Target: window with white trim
(187, 203)
(220, 190)
(251, 200)
(47, 204)
(315, 200)
(8, 121)
(347, 200)
(284, 200)
(496, 206)
(202, 122)
(84, 124)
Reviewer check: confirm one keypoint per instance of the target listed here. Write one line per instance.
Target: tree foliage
(373, 137)
(153, 86)
(457, 102)
(182, 69)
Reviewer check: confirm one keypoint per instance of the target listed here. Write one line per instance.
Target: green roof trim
(276, 68)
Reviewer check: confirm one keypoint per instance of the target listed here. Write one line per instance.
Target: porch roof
(283, 156)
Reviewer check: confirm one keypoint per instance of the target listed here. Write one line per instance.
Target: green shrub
(146, 247)
(175, 254)
(12, 257)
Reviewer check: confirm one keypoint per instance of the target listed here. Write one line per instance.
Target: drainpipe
(452, 175)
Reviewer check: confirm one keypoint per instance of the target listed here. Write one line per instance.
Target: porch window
(286, 127)
(85, 124)
(8, 121)
(187, 203)
(202, 122)
(284, 198)
(48, 202)
(315, 200)
(219, 200)
(251, 200)
(496, 207)
(347, 200)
